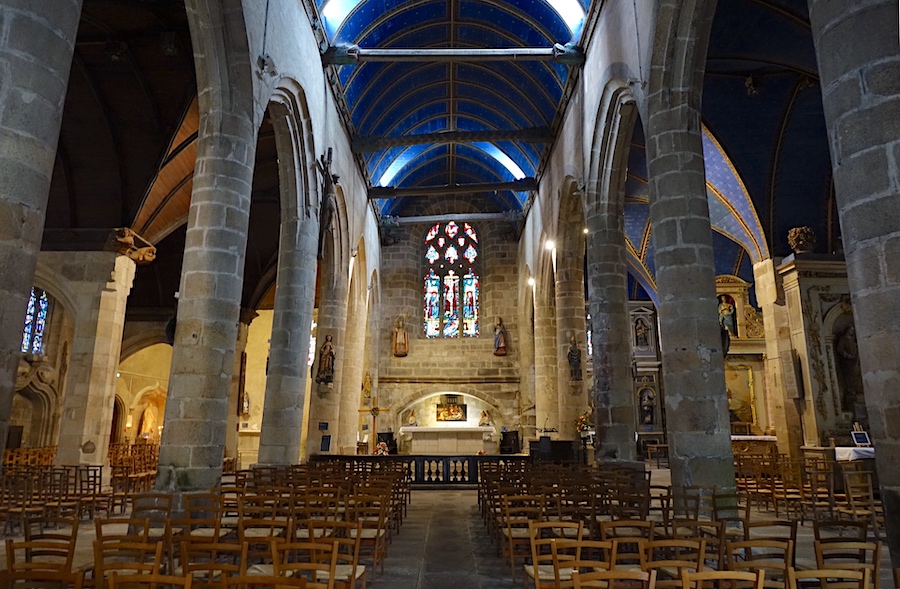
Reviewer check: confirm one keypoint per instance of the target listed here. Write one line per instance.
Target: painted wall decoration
(451, 412)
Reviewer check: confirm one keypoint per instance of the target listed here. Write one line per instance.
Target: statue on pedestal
(325, 373)
(400, 341)
(574, 358)
(501, 337)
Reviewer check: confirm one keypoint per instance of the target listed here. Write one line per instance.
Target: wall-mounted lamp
(531, 281)
(550, 245)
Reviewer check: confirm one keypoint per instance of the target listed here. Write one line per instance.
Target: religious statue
(726, 314)
(501, 337)
(400, 343)
(328, 207)
(485, 420)
(847, 352)
(641, 334)
(574, 357)
(411, 419)
(367, 386)
(648, 407)
(325, 373)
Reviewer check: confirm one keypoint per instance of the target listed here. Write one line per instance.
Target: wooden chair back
(41, 579)
(148, 581)
(724, 580)
(830, 578)
(615, 579)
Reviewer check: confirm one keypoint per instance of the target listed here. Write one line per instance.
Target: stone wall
(467, 365)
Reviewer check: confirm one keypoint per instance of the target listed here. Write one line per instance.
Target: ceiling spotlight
(585, 230)
(550, 245)
(531, 281)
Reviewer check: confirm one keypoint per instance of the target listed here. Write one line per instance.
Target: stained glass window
(35, 322)
(452, 286)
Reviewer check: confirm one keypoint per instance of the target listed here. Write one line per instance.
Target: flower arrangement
(381, 449)
(480, 453)
(583, 422)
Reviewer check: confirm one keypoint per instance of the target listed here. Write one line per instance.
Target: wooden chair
(779, 530)
(40, 555)
(861, 504)
(669, 558)
(314, 561)
(615, 579)
(585, 556)
(157, 509)
(518, 510)
(347, 536)
(41, 579)
(371, 512)
(211, 562)
(202, 516)
(829, 578)
(629, 537)
(125, 556)
(148, 581)
(260, 523)
(850, 555)
(713, 533)
(724, 580)
(543, 534)
(772, 556)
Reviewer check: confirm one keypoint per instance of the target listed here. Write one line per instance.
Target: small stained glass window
(35, 322)
(452, 286)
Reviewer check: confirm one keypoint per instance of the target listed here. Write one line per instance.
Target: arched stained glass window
(35, 322)
(452, 286)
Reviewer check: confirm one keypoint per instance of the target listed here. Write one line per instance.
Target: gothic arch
(433, 390)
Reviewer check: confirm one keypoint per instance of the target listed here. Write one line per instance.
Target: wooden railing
(429, 470)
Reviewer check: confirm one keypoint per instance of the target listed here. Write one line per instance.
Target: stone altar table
(447, 440)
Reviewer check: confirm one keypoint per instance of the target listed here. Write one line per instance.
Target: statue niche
(846, 353)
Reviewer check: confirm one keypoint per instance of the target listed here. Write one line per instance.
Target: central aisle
(443, 545)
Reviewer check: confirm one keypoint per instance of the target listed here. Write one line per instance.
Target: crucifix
(374, 411)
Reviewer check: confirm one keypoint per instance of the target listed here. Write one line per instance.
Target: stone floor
(443, 545)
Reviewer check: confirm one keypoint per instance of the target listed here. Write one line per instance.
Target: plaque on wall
(451, 412)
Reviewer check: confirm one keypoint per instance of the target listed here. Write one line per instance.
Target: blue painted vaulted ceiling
(396, 99)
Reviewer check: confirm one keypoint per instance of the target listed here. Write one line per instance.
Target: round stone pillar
(37, 40)
(325, 402)
(699, 433)
(295, 293)
(546, 404)
(614, 411)
(193, 440)
(353, 365)
(570, 333)
(859, 67)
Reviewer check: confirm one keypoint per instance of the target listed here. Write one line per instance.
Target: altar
(447, 440)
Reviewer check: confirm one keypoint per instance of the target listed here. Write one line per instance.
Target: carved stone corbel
(126, 242)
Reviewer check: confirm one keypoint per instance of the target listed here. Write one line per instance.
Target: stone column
(36, 44)
(693, 368)
(527, 368)
(193, 440)
(101, 282)
(859, 59)
(570, 327)
(282, 421)
(545, 366)
(325, 403)
(352, 366)
(781, 374)
(614, 411)
(234, 400)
